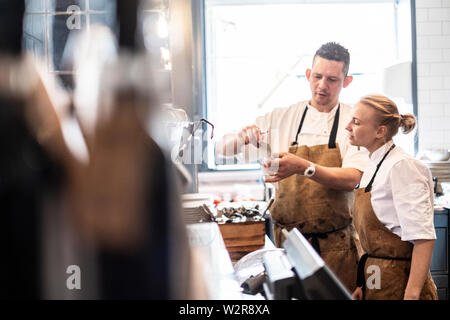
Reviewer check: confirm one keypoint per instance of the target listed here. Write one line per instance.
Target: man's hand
(284, 165)
(231, 143)
(250, 134)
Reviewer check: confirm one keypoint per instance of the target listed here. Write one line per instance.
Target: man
(317, 168)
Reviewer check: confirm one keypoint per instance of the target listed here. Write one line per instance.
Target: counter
(439, 261)
(217, 269)
(223, 283)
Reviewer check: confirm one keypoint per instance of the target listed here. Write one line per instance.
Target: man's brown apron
(384, 250)
(321, 214)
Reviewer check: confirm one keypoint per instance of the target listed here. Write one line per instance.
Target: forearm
(337, 178)
(420, 266)
(229, 145)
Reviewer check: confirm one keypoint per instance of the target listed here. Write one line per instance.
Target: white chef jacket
(283, 125)
(402, 193)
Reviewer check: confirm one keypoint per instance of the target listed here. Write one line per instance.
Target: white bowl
(437, 154)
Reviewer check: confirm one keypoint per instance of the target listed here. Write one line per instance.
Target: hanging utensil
(195, 126)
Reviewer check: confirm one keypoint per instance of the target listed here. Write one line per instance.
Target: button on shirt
(402, 193)
(283, 124)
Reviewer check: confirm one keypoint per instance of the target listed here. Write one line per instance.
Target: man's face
(326, 80)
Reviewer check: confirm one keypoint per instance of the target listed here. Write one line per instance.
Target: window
(49, 23)
(256, 54)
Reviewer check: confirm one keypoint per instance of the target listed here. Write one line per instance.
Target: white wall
(433, 71)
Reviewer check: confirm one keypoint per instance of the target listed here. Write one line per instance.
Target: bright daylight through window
(257, 53)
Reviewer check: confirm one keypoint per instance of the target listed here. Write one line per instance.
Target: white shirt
(402, 193)
(283, 125)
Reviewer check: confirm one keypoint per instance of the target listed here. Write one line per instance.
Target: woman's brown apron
(384, 250)
(321, 214)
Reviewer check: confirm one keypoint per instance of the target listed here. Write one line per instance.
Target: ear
(308, 73)
(347, 81)
(381, 132)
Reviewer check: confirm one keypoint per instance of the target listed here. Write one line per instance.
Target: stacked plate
(439, 170)
(198, 207)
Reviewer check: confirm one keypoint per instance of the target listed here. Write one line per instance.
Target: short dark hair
(334, 51)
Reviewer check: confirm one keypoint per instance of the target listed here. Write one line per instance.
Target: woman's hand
(284, 165)
(411, 295)
(357, 294)
(420, 267)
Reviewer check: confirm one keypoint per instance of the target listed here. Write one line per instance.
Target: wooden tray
(243, 238)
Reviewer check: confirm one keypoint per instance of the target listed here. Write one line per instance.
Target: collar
(329, 114)
(379, 153)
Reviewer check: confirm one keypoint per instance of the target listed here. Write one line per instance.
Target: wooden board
(243, 238)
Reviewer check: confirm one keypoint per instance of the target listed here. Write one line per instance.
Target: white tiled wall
(433, 71)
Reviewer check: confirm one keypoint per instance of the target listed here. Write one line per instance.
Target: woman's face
(362, 129)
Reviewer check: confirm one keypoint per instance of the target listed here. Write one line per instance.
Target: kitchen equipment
(198, 207)
(299, 272)
(437, 154)
(242, 226)
(440, 170)
(192, 128)
(243, 237)
(268, 206)
(251, 264)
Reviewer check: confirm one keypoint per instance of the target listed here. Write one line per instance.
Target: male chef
(316, 168)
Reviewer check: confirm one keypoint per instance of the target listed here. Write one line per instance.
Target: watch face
(310, 171)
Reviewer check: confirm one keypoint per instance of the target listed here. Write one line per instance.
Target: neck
(375, 146)
(321, 107)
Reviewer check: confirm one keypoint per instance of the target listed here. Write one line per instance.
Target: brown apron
(321, 214)
(384, 250)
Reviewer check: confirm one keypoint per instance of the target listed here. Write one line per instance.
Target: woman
(393, 211)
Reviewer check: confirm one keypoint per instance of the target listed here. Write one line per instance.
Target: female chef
(393, 211)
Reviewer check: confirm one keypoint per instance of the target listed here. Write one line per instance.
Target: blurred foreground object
(106, 205)
(32, 150)
(299, 272)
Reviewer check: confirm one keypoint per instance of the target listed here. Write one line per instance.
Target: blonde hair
(387, 115)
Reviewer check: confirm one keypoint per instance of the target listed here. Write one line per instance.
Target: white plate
(197, 196)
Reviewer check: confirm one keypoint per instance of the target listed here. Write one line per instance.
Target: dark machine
(300, 273)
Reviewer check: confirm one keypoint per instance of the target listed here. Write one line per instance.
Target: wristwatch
(310, 171)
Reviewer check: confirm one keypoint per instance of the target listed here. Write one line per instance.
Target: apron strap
(300, 127)
(360, 277)
(333, 133)
(313, 236)
(369, 186)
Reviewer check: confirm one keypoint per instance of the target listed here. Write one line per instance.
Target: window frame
(48, 13)
(199, 84)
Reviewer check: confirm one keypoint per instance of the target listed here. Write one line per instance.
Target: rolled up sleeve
(413, 200)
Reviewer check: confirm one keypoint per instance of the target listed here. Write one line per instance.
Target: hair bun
(407, 122)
